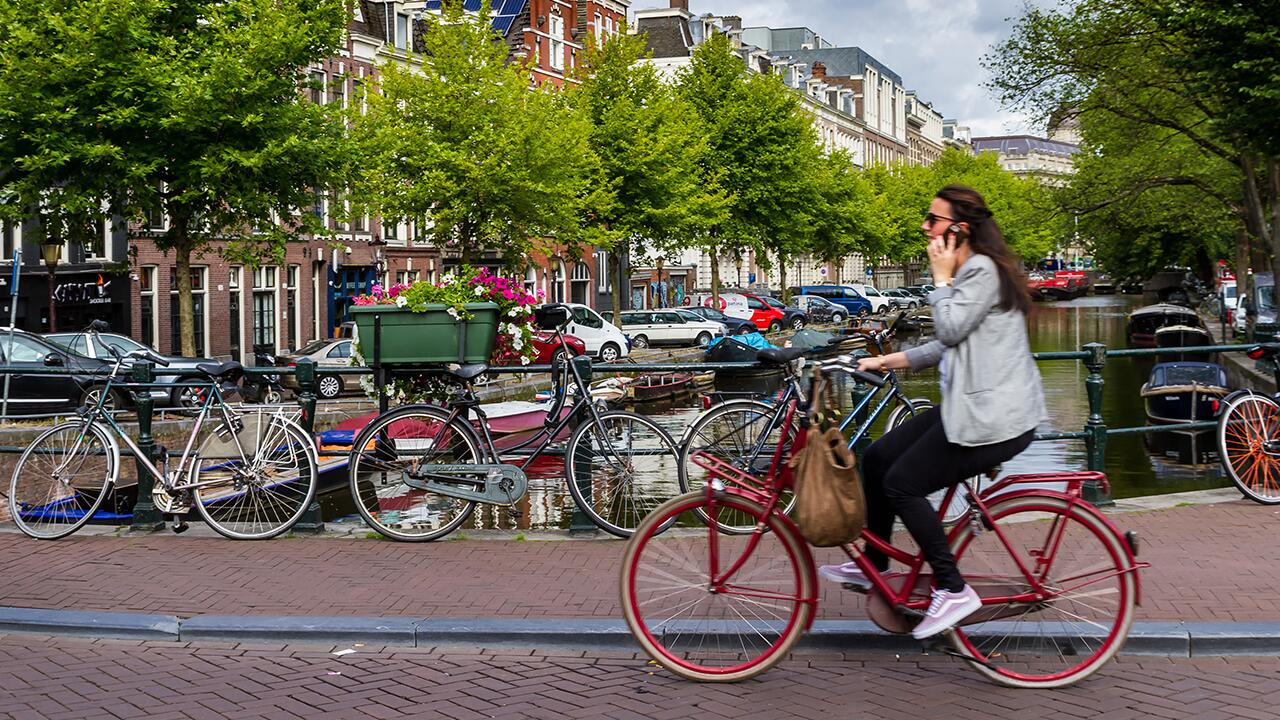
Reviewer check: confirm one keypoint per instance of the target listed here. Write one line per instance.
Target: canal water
(1134, 465)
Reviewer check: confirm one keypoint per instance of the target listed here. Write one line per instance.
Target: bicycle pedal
(180, 527)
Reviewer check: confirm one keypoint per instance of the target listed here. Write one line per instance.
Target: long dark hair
(968, 205)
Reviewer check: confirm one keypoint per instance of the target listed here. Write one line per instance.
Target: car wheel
(746, 329)
(609, 352)
(89, 399)
(559, 357)
(775, 326)
(797, 324)
(187, 397)
(863, 312)
(640, 342)
(703, 339)
(911, 306)
(837, 318)
(328, 386)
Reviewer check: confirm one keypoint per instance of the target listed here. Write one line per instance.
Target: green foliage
(464, 144)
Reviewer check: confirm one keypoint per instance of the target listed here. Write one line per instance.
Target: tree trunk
(715, 277)
(615, 269)
(662, 293)
(1244, 281)
(182, 249)
(782, 279)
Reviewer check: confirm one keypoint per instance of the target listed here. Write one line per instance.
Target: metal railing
(1094, 434)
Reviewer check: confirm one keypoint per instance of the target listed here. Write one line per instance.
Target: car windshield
(1266, 298)
(690, 315)
(311, 347)
(773, 302)
(124, 345)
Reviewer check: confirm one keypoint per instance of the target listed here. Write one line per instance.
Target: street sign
(871, 273)
(822, 271)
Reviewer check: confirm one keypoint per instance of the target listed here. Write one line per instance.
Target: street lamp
(51, 252)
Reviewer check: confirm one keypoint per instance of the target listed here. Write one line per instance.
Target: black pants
(904, 466)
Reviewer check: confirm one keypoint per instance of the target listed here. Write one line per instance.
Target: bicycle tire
(383, 449)
(664, 571)
(1073, 634)
(39, 486)
(1244, 426)
(726, 439)
(259, 486)
(603, 457)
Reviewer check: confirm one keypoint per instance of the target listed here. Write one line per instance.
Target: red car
(548, 345)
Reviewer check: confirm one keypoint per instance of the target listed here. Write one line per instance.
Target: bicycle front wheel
(255, 477)
(1084, 616)
(620, 466)
(399, 445)
(61, 479)
(1248, 431)
(695, 618)
(744, 434)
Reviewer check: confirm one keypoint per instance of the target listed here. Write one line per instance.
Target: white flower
(401, 301)
(524, 360)
(447, 279)
(479, 290)
(453, 313)
(518, 344)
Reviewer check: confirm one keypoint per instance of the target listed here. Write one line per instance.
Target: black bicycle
(418, 472)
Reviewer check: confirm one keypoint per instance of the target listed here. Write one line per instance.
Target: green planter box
(413, 338)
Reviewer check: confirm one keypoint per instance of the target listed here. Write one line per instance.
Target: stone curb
(1162, 639)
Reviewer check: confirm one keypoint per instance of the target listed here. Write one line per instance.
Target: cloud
(935, 45)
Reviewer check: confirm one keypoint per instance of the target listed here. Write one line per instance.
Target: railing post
(310, 522)
(146, 516)
(1095, 428)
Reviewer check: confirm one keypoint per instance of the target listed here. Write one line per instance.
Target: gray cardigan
(992, 391)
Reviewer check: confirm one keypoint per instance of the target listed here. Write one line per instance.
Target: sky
(935, 45)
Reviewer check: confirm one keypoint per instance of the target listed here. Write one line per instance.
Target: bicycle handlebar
(849, 364)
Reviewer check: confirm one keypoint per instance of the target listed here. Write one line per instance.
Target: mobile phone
(959, 233)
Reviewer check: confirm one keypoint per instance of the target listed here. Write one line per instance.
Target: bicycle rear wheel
(254, 479)
(1245, 429)
(735, 628)
(619, 468)
(744, 434)
(393, 447)
(1083, 621)
(61, 479)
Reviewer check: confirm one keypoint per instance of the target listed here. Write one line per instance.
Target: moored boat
(1145, 321)
(660, 386)
(1182, 336)
(1184, 391)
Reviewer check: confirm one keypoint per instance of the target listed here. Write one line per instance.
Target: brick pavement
(1210, 562)
(72, 678)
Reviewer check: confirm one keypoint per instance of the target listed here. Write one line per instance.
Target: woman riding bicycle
(991, 396)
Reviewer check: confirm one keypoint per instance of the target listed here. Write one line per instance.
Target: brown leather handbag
(830, 506)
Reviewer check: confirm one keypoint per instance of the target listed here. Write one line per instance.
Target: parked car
(879, 303)
(1262, 308)
(1227, 300)
(843, 295)
(31, 394)
(821, 309)
(747, 307)
(334, 372)
(733, 325)
(902, 299)
(694, 317)
(792, 317)
(648, 328)
(550, 350)
(602, 339)
(174, 396)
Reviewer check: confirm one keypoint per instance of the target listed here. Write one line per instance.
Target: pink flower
(508, 294)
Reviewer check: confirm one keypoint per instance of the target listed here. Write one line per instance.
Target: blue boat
(1181, 392)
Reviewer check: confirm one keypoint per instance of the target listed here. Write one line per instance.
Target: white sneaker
(946, 611)
(847, 574)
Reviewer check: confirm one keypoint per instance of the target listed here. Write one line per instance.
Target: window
(580, 283)
(10, 239)
(359, 96)
(264, 309)
(95, 246)
(317, 87)
(531, 280)
(599, 26)
(338, 91)
(339, 351)
(602, 269)
(391, 230)
(755, 304)
(586, 318)
(291, 305)
(556, 48)
(608, 26)
(25, 350)
(406, 277)
(402, 31)
(557, 281)
(198, 293)
(670, 317)
(233, 296)
(147, 307)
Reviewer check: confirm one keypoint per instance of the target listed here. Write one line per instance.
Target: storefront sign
(92, 293)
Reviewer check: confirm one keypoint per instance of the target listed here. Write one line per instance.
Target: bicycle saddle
(470, 371)
(229, 370)
(779, 356)
(550, 317)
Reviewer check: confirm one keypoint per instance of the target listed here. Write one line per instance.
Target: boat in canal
(1182, 336)
(1145, 321)
(1182, 392)
(660, 386)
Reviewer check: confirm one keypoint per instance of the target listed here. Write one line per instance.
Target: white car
(879, 303)
(647, 328)
(603, 340)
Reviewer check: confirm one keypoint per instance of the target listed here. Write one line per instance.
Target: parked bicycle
(249, 472)
(1249, 435)
(1058, 581)
(418, 472)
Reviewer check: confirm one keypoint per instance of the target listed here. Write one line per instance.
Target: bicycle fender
(1078, 505)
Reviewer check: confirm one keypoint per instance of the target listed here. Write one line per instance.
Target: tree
(122, 107)
(643, 193)
(466, 145)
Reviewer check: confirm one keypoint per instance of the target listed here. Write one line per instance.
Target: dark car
(176, 396)
(733, 325)
(793, 317)
(847, 297)
(31, 394)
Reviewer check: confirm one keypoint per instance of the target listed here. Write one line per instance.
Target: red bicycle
(1058, 581)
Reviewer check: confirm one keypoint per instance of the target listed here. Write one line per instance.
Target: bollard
(1095, 428)
(146, 516)
(310, 522)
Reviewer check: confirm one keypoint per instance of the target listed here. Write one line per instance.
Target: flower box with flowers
(469, 316)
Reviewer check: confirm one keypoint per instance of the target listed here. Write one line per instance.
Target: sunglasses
(931, 218)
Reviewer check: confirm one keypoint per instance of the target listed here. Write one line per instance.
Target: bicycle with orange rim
(1249, 436)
